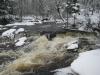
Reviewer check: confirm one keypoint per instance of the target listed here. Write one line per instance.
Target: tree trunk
(60, 14)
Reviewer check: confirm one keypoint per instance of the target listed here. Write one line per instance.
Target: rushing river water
(45, 56)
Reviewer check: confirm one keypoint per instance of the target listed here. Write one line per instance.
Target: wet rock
(39, 73)
(4, 59)
(87, 44)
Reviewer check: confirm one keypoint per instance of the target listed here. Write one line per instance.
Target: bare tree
(60, 9)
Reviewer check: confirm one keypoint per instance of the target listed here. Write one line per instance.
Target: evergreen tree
(6, 8)
(72, 8)
(3, 7)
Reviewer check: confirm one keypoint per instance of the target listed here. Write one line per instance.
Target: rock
(64, 71)
(39, 73)
(87, 44)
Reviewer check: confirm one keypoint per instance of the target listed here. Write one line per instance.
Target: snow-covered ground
(20, 23)
(27, 20)
(88, 63)
(25, 23)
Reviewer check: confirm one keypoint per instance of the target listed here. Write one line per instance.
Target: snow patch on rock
(9, 33)
(20, 41)
(20, 30)
(73, 44)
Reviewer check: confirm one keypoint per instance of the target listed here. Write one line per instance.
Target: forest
(44, 8)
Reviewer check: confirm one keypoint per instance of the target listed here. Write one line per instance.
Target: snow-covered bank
(27, 21)
(21, 23)
(88, 63)
(63, 71)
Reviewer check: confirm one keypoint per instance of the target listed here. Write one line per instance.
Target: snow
(1, 25)
(37, 22)
(72, 46)
(0, 28)
(76, 8)
(81, 18)
(63, 71)
(12, 32)
(74, 14)
(88, 63)
(21, 41)
(71, 20)
(28, 18)
(19, 30)
(77, 4)
(21, 23)
(82, 28)
(94, 18)
(66, 5)
(26, 23)
(9, 33)
(59, 21)
(82, 10)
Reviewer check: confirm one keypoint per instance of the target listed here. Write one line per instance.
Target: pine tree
(6, 8)
(75, 11)
(72, 7)
(3, 7)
